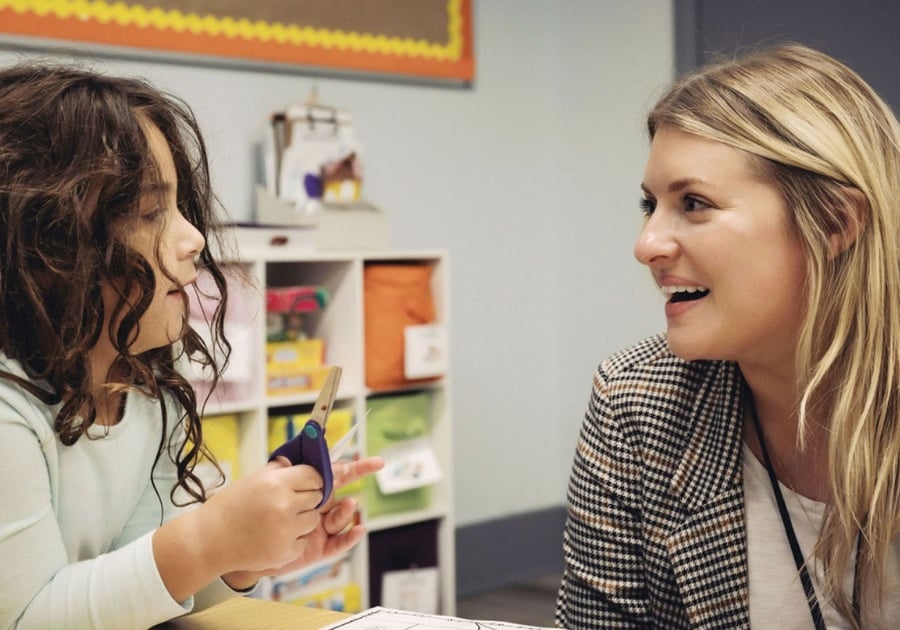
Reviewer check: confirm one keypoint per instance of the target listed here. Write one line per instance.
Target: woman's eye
(689, 204)
(692, 204)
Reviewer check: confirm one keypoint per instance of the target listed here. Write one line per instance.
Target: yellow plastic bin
(295, 366)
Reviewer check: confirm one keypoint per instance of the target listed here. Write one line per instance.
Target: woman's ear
(854, 213)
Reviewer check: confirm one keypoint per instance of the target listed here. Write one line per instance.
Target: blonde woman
(744, 468)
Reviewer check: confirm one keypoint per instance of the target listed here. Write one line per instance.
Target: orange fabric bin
(396, 295)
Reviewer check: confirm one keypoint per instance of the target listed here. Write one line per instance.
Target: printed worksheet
(380, 618)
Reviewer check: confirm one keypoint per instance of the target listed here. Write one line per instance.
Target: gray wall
(861, 34)
(529, 179)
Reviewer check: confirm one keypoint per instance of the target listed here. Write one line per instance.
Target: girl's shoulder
(17, 404)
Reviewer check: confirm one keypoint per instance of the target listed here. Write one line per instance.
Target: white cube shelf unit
(341, 325)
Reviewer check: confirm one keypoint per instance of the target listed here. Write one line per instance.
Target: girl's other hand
(348, 472)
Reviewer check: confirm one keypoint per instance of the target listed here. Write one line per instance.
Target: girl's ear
(854, 215)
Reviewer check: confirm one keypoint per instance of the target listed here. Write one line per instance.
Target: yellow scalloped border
(269, 32)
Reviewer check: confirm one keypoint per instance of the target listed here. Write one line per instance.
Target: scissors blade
(325, 401)
(336, 451)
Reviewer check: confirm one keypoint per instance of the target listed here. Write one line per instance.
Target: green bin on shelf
(391, 420)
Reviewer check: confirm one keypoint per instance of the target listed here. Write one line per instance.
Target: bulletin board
(429, 39)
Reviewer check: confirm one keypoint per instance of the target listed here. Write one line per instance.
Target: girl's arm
(41, 584)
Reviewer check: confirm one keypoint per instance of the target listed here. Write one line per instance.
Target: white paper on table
(380, 618)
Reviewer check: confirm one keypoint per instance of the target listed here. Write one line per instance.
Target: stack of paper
(380, 618)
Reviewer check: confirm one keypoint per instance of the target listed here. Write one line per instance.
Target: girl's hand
(257, 522)
(348, 472)
(333, 533)
(261, 520)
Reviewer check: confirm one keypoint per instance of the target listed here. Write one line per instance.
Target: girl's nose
(192, 241)
(656, 240)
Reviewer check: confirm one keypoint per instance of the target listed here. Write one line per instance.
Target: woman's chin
(688, 350)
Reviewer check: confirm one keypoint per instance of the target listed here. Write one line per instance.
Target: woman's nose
(656, 239)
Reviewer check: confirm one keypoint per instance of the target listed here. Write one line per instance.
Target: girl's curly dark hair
(74, 160)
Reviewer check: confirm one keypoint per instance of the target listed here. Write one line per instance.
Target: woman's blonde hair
(830, 144)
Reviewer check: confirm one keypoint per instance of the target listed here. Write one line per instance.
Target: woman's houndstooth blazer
(655, 535)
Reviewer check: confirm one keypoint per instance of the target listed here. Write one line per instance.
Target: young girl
(105, 208)
(744, 469)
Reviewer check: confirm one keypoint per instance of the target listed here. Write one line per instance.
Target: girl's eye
(647, 206)
(151, 216)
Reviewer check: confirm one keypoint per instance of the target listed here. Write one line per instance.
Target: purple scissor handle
(309, 446)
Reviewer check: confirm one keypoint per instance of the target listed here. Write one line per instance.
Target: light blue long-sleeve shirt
(76, 522)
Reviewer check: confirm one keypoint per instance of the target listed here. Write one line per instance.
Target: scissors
(309, 446)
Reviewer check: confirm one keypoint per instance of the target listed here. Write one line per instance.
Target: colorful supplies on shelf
(311, 153)
(303, 299)
(347, 598)
(328, 584)
(287, 309)
(294, 361)
(295, 366)
(313, 179)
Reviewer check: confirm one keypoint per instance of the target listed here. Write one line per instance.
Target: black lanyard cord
(808, 588)
(856, 579)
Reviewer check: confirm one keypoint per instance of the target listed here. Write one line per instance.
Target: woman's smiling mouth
(684, 293)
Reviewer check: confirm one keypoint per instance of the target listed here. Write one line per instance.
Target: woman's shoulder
(662, 400)
(650, 362)
(648, 351)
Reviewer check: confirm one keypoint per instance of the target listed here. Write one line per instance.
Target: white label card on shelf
(414, 589)
(407, 465)
(424, 351)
